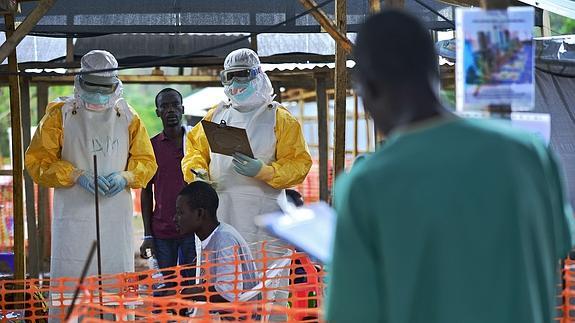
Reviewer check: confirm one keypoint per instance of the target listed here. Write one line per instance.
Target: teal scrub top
(452, 221)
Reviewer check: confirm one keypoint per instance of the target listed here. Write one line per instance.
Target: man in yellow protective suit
(249, 186)
(95, 121)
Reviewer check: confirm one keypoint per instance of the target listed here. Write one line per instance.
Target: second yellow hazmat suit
(276, 140)
(61, 152)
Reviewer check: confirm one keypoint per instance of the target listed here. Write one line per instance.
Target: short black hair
(166, 90)
(395, 47)
(201, 195)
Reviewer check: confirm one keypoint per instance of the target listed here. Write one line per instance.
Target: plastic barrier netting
(282, 285)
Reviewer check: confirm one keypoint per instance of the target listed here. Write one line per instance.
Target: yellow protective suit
(293, 159)
(46, 168)
(276, 139)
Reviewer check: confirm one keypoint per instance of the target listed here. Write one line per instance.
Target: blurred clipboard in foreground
(227, 140)
(310, 228)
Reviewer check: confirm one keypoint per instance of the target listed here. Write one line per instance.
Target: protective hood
(250, 95)
(96, 101)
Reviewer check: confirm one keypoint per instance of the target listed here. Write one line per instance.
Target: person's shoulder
(282, 110)
(213, 110)
(500, 132)
(283, 116)
(227, 235)
(157, 139)
(55, 106)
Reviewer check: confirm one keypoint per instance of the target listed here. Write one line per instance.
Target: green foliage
(448, 98)
(561, 25)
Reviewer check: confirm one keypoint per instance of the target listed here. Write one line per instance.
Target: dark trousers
(171, 252)
(168, 250)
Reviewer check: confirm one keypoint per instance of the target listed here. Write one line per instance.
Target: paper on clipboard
(311, 228)
(227, 140)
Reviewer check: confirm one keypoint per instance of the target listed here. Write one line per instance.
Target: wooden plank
(254, 42)
(355, 125)
(69, 50)
(33, 269)
(203, 80)
(494, 4)
(463, 3)
(374, 6)
(193, 61)
(141, 79)
(277, 91)
(323, 149)
(43, 192)
(340, 89)
(17, 164)
(546, 28)
(24, 28)
(394, 3)
(338, 34)
(6, 172)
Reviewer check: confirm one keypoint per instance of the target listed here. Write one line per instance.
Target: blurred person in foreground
(452, 220)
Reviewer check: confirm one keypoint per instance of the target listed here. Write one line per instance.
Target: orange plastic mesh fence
(566, 300)
(279, 283)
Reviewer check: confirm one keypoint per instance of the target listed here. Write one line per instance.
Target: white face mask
(248, 96)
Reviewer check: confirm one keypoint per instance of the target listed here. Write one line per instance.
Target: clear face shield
(96, 90)
(87, 84)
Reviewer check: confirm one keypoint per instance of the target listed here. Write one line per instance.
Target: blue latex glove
(117, 183)
(87, 182)
(246, 166)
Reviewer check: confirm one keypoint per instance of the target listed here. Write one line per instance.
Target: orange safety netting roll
(282, 285)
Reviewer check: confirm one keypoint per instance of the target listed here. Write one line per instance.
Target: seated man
(231, 265)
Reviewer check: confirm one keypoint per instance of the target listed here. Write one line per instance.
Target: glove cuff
(129, 176)
(75, 174)
(266, 173)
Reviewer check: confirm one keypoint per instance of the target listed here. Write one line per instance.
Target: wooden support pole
(24, 28)
(397, 4)
(323, 149)
(17, 156)
(340, 89)
(43, 192)
(69, 50)
(355, 125)
(33, 261)
(546, 28)
(330, 27)
(254, 42)
(374, 6)
(277, 91)
(495, 4)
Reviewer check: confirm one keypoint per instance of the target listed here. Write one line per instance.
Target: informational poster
(495, 58)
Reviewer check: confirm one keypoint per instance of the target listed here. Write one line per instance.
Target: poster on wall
(495, 58)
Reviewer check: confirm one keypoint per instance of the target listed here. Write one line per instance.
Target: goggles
(240, 74)
(96, 87)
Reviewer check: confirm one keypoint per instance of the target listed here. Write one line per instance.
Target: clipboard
(227, 140)
(310, 228)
